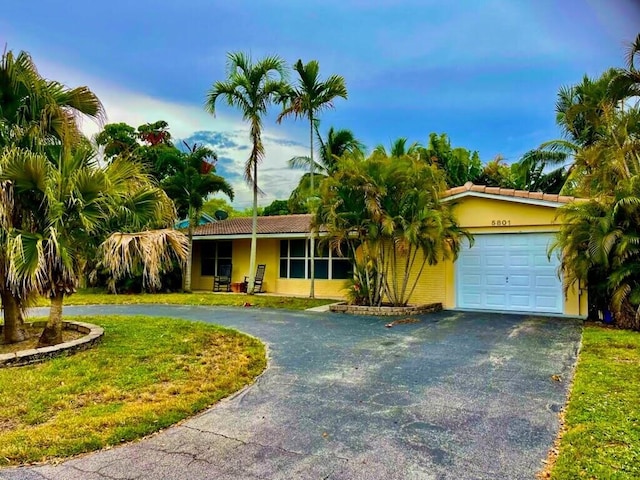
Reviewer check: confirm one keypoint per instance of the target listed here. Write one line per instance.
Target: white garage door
(509, 272)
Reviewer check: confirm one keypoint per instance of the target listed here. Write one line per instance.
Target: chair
(257, 284)
(223, 278)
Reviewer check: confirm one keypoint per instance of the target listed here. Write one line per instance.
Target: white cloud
(135, 108)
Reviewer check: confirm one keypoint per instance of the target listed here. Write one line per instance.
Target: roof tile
(266, 225)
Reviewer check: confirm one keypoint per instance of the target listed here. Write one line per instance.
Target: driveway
(455, 396)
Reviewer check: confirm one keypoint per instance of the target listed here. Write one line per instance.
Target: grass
(147, 374)
(602, 421)
(197, 298)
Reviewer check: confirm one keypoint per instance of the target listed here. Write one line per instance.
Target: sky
(486, 72)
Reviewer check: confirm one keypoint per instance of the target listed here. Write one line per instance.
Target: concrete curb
(93, 336)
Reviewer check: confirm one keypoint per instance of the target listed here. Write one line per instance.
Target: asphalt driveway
(455, 396)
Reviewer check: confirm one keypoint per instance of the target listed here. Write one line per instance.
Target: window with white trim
(295, 261)
(213, 254)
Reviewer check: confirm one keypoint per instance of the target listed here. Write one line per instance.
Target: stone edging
(93, 335)
(385, 311)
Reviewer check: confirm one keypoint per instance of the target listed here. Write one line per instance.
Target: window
(295, 261)
(213, 254)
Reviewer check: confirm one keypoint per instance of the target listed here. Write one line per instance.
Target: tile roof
(266, 225)
(507, 192)
(302, 223)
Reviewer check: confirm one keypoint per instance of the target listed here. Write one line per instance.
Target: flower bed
(385, 310)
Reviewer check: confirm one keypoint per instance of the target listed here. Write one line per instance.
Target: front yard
(89, 297)
(602, 438)
(148, 373)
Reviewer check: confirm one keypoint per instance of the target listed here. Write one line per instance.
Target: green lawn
(602, 440)
(147, 374)
(197, 298)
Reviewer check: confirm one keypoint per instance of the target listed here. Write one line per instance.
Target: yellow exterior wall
(436, 284)
(478, 216)
(267, 252)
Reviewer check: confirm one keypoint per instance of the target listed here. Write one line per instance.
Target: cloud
(226, 134)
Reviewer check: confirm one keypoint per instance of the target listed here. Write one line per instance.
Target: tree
(459, 164)
(532, 172)
(251, 87)
(336, 144)
(599, 238)
(73, 200)
(194, 181)
(497, 173)
(398, 148)
(306, 100)
(277, 207)
(39, 115)
(385, 213)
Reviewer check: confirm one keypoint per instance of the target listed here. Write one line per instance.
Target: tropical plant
(459, 164)
(600, 238)
(497, 173)
(331, 148)
(40, 115)
(398, 148)
(72, 200)
(540, 171)
(385, 213)
(193, 182)
(306, 100)
(251, 87)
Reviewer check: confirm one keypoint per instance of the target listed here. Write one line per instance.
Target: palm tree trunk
(186, 281)
(13, 322)
(52, 333)
(312, 271)
(254, 233)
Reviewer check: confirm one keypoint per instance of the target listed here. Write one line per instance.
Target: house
(507, 268)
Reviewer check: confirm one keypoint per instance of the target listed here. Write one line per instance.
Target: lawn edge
(554, 451)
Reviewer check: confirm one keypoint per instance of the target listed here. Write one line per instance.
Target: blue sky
(485, 72)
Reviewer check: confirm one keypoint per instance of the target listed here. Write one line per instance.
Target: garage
(509, 272)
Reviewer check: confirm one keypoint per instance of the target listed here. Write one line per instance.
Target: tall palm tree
(194, 181)
(40, 115)
(251, 87)
(306, 100)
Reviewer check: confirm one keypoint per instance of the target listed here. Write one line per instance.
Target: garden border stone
(385, 310)
(94, 335)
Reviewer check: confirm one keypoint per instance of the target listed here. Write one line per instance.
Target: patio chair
(257, 284)
(223, 278)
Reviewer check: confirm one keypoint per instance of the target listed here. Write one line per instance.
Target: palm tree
(194, 181)
(337, 143)
(40, 115)
(385, 213)
(251, 87)
(73, 200)
(398, 148)
(310, 97)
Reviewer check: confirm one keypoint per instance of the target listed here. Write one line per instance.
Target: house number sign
(500, 223)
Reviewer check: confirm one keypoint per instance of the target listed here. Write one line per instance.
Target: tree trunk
(254, 233)
(52, 333)
(312, 271)
(186, 281)
(13, 322)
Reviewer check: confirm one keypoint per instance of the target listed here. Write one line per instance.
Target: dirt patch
(34, 334)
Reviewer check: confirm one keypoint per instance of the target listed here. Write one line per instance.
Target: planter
(385, 310)
(93, 335)
(238, 287)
